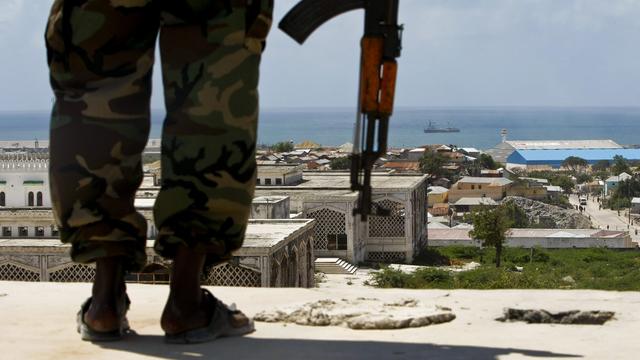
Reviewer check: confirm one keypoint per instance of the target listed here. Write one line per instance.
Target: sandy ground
(38, 323)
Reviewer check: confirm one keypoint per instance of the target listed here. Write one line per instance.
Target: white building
(327, 197)
(544, 238)
(277, 174)
(275, 252)
(24, 181)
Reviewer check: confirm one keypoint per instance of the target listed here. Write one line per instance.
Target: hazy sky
(456, 53)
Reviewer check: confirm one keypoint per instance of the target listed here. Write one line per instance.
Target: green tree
(341, 163)
(282, 146)
(601, 165)
(624, 192)
(584, 178)
(620, 165)
(432, 163)
(575, 164)
(564, 182)
(515, 215)
(490, 226)
(487, 162)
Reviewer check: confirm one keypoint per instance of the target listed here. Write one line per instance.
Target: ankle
(109, 285)
(186, 271)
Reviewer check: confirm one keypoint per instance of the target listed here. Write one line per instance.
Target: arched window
(39, 198)
(3, 199)
(30, 200)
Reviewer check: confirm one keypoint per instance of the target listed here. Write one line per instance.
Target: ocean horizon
(479, 126)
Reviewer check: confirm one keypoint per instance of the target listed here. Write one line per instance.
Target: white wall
(14, 187)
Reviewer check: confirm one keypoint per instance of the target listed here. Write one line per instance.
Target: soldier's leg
(100, 54)
(210, 66)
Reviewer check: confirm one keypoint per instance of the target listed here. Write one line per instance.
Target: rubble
(550, 216)
(361, 314)
(573, 317)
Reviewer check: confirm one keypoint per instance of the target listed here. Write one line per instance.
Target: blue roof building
(554, 158)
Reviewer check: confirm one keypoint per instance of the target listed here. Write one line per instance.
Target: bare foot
(186, 308)
(183, 315)
(108, 298)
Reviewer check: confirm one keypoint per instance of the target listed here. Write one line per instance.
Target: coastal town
(568, 193)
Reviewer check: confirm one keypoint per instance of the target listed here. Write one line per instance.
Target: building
(327, 198)
(503, 150)
(593, 187)
(440, 209)
(552, 159)
(612, 182)
(492, 173)
(553, 191)
(437, 195)
(277, 174)
(529, 188)
(544, 238)
(270, 207)
(24, 180)
(470, 186)
(635, 205)
(471, 151)
(402, 166)
(468, 204)
(275, 253)
(416, 154)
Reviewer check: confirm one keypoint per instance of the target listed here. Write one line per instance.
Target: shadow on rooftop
(265, 349)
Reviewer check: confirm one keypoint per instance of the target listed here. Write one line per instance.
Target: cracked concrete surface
(38, 322)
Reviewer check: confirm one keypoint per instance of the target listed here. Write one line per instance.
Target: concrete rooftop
(264, 235)
(38, 323)
(343, 181)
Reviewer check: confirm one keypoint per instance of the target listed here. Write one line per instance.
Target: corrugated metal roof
(403, 165)
(590, 155)
(485, 180)
(563, 144)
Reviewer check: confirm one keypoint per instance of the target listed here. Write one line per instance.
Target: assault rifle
(380, 46)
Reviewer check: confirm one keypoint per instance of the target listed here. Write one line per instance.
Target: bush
(596, 255)
(341, 163)
(431, 256)
(461, 252)
(390, 278)
(428, 275)
(283, 146)
(599, 268)
(540, 255)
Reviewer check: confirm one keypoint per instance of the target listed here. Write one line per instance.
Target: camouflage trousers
(100, 55)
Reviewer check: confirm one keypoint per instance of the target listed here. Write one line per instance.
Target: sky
(455, 53)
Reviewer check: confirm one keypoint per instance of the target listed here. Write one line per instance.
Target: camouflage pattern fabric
(100, 54)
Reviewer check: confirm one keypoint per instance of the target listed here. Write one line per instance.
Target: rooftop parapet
(24, 162)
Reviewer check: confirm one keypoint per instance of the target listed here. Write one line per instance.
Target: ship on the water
(432, 128)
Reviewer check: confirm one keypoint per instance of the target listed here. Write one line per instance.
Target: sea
(479, 126)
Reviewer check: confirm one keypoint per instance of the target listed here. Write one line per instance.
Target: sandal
(88, 334)
(221, 324)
